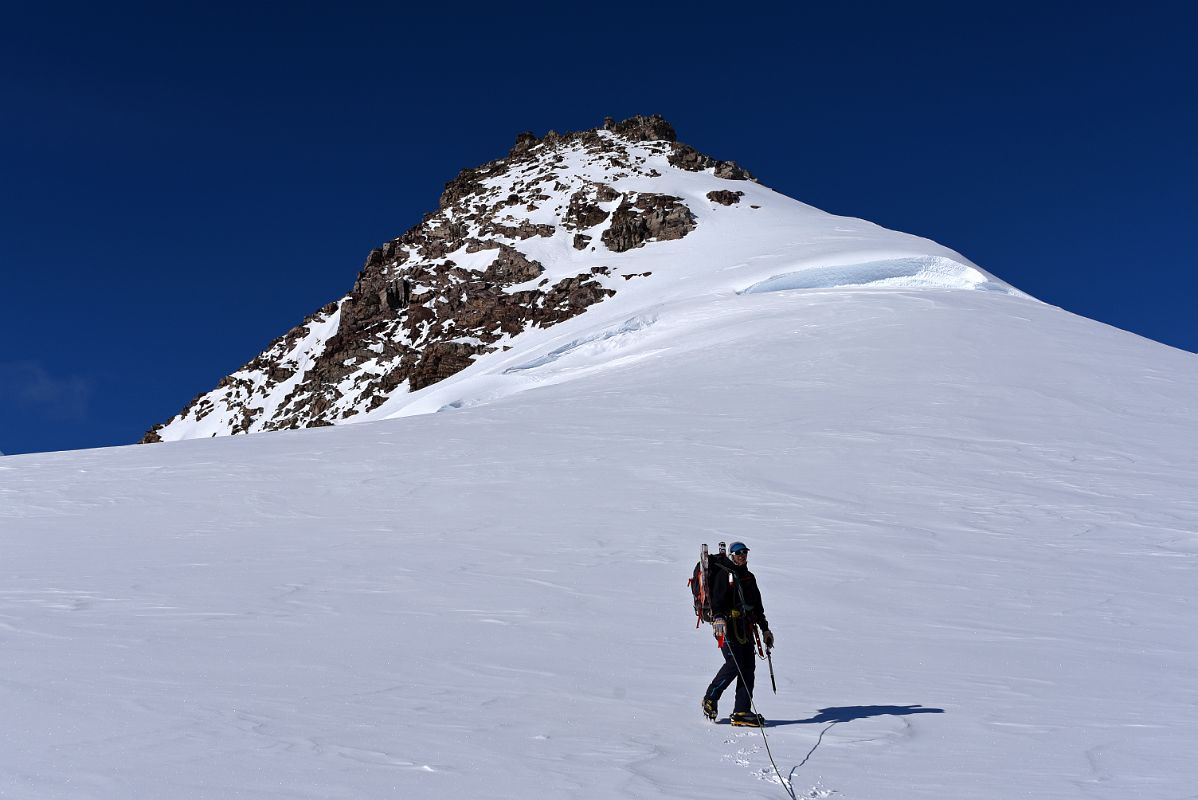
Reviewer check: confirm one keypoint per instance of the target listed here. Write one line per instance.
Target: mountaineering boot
(747, 719)
(709, 709)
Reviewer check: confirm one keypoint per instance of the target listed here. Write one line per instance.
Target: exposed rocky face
(643, 218)
(462, 282)
(725, 197)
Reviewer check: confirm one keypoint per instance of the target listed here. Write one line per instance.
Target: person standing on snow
(735, 608)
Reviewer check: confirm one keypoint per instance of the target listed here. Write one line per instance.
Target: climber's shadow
(850, 713)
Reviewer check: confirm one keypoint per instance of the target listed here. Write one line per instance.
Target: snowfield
(974, 518)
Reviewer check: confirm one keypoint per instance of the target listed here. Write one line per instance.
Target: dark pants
(745, 658)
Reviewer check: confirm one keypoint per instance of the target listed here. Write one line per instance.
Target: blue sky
(179, 186)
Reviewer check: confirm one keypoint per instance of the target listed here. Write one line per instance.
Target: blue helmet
(738, 547)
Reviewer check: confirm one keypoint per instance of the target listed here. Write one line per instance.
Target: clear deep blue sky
(180, 184)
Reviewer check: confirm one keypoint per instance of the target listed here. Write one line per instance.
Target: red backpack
(700, 583)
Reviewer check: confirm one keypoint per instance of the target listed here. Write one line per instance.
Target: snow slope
(973, 517)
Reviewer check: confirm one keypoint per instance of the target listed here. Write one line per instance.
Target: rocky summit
(464, 282)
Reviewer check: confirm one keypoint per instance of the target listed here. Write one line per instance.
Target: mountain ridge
(562, 224)
(305, 359)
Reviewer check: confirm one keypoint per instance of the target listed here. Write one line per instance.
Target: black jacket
(725, 578)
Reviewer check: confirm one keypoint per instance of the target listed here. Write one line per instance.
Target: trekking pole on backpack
(700, 589)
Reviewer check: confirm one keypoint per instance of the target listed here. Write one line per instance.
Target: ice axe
(768, 657)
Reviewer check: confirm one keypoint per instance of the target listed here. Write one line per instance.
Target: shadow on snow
(850, 713)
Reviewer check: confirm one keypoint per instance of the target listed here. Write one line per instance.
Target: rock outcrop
(644, 218)
(725, 197)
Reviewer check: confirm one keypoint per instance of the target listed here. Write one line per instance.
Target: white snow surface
(973, 516)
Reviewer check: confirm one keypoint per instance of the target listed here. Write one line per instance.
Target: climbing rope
(785, 782)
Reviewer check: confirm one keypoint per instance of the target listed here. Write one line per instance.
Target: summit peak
(617, 217)
(639, 128)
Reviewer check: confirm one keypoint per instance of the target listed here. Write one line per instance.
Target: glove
(768, 635)
(718, 628)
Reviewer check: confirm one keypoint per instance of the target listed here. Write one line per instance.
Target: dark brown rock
(725, 197)
(524, 141)
(512, 267)
(649, 217)
(643, 129)
(583, 211)
(440, 360)
(605, 193)
(525, 230)
(686, 157)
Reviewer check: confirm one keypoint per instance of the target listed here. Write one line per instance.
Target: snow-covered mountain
(622, 216)
(973, 517)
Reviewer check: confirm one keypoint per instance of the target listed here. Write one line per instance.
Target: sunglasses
(744, 553)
